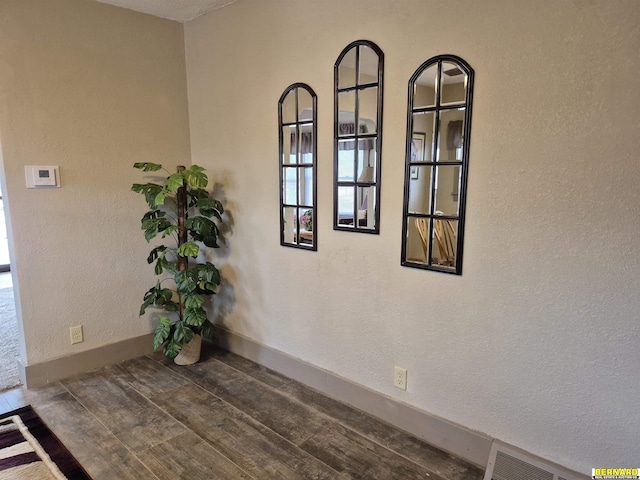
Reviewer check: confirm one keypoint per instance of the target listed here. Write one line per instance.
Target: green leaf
(152, 226)
(159, 198)
(188, 249)
(171, 266)
(195, 177)
(162, 332)
(194, 195)
(203, 230)
(171, 306)
(156, 252)
(159, 266)
(174, 182)
(208, 277)
(171, 349)
(208, 331)
(146, 304)
(159, 254)
(165, 321)
(210, 207)
(169, 230)
(186, 281)
(193, 301)
(151, 214)
(182, 333)
(195, 316)
(149, 190)
(147, 166)
(156, 296)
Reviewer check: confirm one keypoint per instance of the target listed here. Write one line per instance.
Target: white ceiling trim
(179, 10)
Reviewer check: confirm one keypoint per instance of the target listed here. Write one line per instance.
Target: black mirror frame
(281, 124)
(464, 167)
(376, 181)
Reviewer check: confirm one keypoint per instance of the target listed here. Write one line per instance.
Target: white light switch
(41, 176)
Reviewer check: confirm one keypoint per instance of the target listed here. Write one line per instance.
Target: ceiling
(179, 10)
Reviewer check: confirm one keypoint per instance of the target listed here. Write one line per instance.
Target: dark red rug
(29, 450)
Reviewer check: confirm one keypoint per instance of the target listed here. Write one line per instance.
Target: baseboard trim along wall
(40, 374)
(472, 446)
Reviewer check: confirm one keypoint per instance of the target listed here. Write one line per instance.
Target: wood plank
(20, 396)
(351, 453)
(149, 377)
(102, 455)
(244, 420)
(437, 461)
(188, 456)
(297, 422)
(107, 393)
(253, 369)
(249, 444)
(289, 418)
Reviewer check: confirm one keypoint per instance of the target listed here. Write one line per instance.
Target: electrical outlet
(76, 334)
(400, 378)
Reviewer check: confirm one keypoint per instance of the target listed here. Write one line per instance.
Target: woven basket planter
(190, 352)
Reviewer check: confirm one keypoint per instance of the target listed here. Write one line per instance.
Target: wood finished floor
(223, 418)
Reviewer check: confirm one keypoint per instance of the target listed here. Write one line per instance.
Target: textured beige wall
(536, 343)
(91, 88)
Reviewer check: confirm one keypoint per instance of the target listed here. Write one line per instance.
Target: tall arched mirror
(358, 137)
(297, 120)
(437, 156)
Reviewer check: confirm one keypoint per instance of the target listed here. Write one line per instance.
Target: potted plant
(182, 209)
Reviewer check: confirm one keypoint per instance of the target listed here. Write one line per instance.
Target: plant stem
(183, 262)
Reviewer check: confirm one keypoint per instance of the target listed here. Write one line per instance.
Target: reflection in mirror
(367, 108)
(437, 154)
(305, 183)
(297, 116)
(417, 239)
(305, 105)
(289, 132)
(443, 253)
(425, 93)
(345, 161)
(420, 189)
(368, 71)
(367, 160)
(422, 144)
(453, 83)
(450, 133)
(289, 214)
(357, 126)
(366, 202)
(347, 70)
(289, 193)
(446, 201)
(347, 117)
(346, 206)
(289, 108)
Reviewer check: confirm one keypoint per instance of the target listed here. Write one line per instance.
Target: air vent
(508, 463)
(453, 72)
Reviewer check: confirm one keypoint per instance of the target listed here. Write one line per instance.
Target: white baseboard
(472, 446)
(40, 374)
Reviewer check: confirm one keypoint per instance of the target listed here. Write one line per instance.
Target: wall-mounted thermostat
(42, 177)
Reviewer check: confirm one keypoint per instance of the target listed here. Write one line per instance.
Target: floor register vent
(508, 463)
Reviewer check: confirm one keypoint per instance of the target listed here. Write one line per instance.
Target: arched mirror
(358, 77)
(437, 156)
(297, 119)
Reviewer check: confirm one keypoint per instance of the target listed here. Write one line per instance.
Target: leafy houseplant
(307, 220)
(180, 208)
